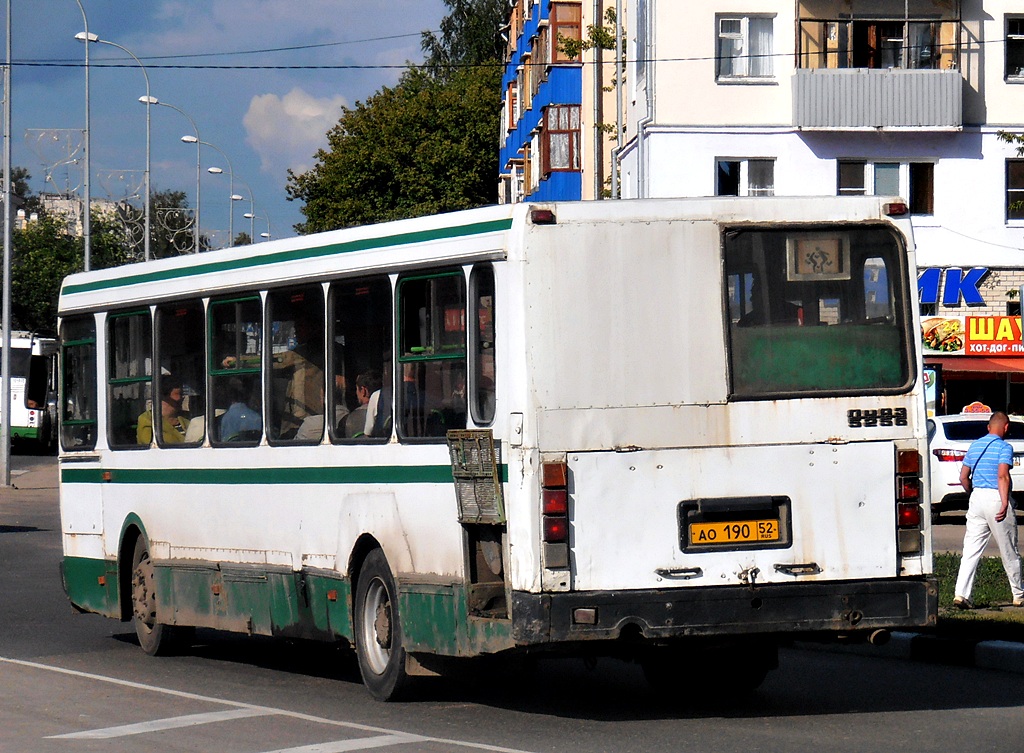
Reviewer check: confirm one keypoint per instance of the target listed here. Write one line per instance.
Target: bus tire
(155, 638)
(378, 630)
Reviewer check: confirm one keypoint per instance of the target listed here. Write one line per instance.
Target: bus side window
(432, 354)
(360, 354)
(482, 388)
(129, 379)
(78, 389)
(181, 353)
(296, 404)
(236, 342)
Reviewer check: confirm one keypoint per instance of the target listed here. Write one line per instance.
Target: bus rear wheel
(155, 638)
(378, 630)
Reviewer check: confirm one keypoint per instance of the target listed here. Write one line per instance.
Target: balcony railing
(861, 98)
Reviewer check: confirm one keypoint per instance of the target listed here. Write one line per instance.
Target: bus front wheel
(378, 629)
(154, 637)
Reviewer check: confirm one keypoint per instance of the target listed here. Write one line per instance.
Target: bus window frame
(158, 315)
(212, 373)
(902, 315)
(401, 358)
(112, 382)
(388, 282)
(66, 345)
(268, 360)
(474, 343)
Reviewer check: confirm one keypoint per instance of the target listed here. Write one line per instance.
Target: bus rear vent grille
(476, 470)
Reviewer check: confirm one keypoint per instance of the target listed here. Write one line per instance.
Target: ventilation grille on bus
(476, 470)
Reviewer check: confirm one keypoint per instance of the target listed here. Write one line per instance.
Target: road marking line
(268, 710)
(363, 743)
(174, 722)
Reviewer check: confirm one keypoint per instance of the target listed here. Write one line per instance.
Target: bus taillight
(555, 513)
(908, 502)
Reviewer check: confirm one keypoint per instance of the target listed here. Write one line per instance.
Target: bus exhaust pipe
(879, 637)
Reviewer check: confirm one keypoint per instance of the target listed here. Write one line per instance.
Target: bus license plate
(733, 532)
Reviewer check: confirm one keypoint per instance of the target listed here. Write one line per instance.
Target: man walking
(985, 475)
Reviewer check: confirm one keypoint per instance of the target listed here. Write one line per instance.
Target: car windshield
(970, 430)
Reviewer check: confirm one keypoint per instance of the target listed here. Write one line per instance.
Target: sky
(265, 120)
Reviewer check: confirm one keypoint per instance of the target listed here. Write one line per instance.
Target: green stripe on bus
(234, 264)
(392, 474)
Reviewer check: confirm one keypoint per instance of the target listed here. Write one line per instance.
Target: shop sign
(972, 336)
(961, 285)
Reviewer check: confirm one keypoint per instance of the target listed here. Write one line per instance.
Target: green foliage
(470, 35)
(601, 37)
(44, 254)
(990, 586)
(425, 146)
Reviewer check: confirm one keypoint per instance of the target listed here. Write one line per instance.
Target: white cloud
(287, 131)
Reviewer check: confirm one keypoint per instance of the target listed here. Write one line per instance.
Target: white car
(948, 440)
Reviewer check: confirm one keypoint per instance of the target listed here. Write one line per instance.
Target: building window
(565, 18)
(851, 178)
(1015, 48)
(744, 47)
(922, 188)
(874, 43)
(750, 177)
(914, 180)
(1015, 189)
(561, 138)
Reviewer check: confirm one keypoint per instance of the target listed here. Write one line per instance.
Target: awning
(954, 364)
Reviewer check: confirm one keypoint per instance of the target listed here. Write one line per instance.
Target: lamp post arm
(148, 103)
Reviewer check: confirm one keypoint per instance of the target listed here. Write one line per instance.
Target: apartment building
(558, 116)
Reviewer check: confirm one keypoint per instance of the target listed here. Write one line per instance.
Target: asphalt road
(71, 682)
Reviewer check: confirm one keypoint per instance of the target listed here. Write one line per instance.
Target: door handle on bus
(803, 568)
(683, 573)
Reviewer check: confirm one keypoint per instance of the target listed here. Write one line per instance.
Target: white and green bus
(33, 390)
(674, 431)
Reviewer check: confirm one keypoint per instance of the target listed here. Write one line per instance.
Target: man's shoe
(1018, 602)
(961, 603)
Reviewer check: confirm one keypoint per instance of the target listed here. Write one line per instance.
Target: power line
(248, 52)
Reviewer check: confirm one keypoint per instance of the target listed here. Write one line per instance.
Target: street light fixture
(187, 140)
(148, 101)
(231, 190)
(250, 216)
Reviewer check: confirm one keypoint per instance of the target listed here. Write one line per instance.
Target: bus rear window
(816, 312)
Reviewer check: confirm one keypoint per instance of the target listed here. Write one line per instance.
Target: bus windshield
(815, 312)
(20, 360)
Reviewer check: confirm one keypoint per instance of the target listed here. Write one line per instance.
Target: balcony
(862, 98)
(888, 73)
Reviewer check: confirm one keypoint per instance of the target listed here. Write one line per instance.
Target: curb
(1003, 656)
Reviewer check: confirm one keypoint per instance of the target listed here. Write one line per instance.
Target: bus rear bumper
(836, 607)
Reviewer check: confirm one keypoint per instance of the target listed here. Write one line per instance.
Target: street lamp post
(86, 225)
(188, 140)
(252, 208)
(231, 190)
(250, 216)
(147, 101)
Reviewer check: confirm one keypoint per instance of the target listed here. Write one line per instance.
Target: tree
(425, 146)
(44, 254)
(470, 35)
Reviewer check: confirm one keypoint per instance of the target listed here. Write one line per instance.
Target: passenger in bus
(240, 421)
(367, 384)
(312, 428)
(173, 424)
(304, 394)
